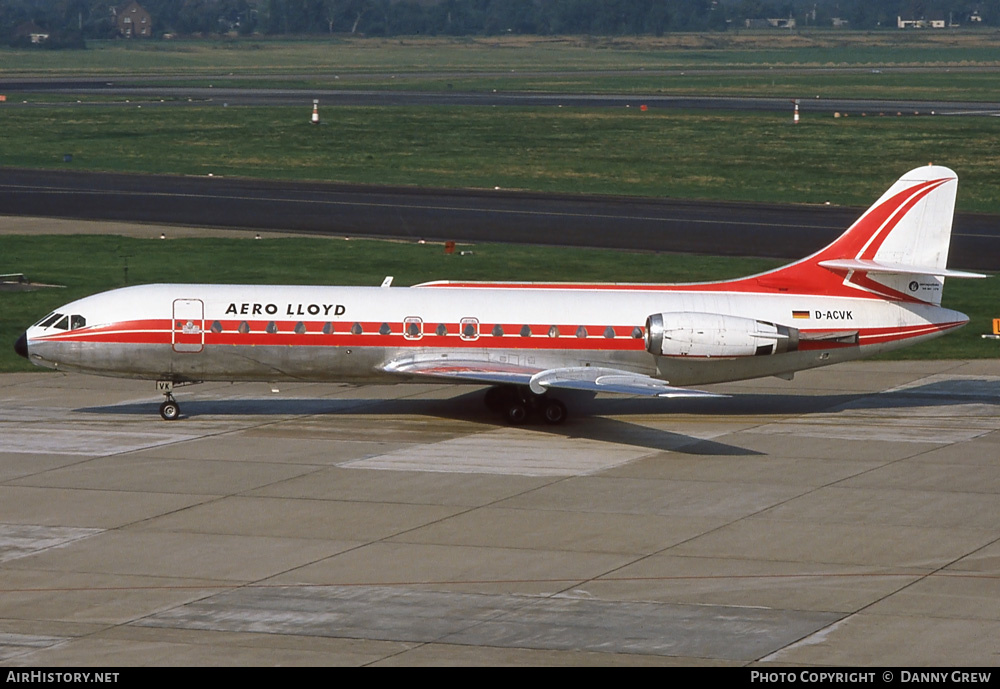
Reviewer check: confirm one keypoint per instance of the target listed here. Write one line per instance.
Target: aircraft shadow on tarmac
(589, 417)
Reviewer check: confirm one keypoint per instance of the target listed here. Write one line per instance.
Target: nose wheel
(170, 410)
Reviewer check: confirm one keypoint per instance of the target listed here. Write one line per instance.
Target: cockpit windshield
(48, 320)
(62, 321)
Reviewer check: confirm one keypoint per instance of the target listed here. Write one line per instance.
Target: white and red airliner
(876, 288)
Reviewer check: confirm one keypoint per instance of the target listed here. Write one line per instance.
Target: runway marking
(921, 415)
(507, 451)
(501, 621)
(454, 209)
(72, 441)
(411, 206)
(30, 430)
(13, 645)
(21, 540)
(516, 452)
(27, 430)
(980, 113)
(951, 385)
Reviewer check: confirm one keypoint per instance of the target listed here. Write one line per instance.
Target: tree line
(79, 19)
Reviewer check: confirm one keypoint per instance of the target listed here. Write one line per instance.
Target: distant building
(32, 32)
(132, 21)
(777, 23)
(921, 23)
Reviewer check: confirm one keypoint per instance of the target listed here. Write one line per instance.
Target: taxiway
(847, 518)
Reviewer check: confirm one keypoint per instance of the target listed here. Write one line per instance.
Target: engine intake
(696, 334)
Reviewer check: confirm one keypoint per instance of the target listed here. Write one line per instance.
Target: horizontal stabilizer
(867, 266)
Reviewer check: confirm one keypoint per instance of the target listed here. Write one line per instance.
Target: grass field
(713, 155)
(707, 155)
(113, 261)
(346, 55)
(956, 65)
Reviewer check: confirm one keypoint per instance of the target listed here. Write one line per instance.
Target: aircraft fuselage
(352, 334)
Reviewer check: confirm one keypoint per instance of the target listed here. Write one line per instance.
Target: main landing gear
(518, 405)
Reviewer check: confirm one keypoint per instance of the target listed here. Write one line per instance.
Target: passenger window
(413, 328)
(581, 331)
(525, 331)
(384, 329)
(244, 327)
(300, 328)
(609, 333)
(272, 327)
(216, 327)
(554, 331)
(356, 329)
(327, 328)
(637, 332)
(77, 322)
(470, 328)
(497, 330)
(442, 330)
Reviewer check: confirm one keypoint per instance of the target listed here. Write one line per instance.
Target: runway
(644, 224)
(847, 518)
(165, 91)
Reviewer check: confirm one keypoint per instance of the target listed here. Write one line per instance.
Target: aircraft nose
(21, 346)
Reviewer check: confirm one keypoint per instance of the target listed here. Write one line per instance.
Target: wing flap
(471, 370)
(597, 379)
(589, 378)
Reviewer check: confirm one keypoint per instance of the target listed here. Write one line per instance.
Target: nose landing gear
(170, 410)
(518, 405)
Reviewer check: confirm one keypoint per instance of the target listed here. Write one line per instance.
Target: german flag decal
(800, 314)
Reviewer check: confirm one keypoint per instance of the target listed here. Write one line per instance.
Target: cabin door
(188, 332)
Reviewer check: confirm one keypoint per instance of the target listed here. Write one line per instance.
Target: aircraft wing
(471, 370)
(597, 379)
(589, 378)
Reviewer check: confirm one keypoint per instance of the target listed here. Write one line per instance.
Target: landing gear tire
(553, 412)
(170, 410)
(517, 413)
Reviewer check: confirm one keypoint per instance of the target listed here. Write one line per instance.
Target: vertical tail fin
(911, 224)
(898, 249)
